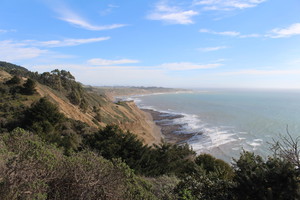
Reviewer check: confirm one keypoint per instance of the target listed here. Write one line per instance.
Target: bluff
(84, 104)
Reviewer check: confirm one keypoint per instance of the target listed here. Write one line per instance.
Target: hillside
(98, 110)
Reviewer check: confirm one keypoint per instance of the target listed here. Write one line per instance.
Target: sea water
(231, 120)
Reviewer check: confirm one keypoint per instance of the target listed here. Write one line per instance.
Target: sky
(169, 43)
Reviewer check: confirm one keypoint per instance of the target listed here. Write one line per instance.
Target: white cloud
(179, 66)
(226, 33)
(11, 51)
(262, 72)
(251, 36)
(27, 49)
(102, 62)
(67, 42)
(172, 15)
(207, 49)
(74, 19)
(292, 30)
(289, 31)
(227, 5)
(230, 33)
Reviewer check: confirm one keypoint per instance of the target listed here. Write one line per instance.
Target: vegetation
(29, 87)
(33, 169)
(45, 155)
(111, 142)
(15, 80)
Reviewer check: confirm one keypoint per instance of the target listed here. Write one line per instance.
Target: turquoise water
(231, 120)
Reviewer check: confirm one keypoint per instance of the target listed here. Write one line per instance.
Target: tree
(15, 80)
(43, 110)
(29, 87)
(204, 186)
(44, 119)
(259, 179)
(211, 164)
(288, 148)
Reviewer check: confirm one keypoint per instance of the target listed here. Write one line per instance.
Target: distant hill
(113, 92)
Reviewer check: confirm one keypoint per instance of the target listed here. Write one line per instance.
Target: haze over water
(231, 120)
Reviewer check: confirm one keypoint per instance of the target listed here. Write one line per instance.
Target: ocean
(230, 120)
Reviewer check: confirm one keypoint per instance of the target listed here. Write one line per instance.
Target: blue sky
(171, 43)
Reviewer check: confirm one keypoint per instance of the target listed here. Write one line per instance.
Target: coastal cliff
(125, 114)
(98, 111)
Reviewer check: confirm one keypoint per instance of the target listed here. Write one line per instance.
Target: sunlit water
(231, 120)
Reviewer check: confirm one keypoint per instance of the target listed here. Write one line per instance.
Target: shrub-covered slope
(60, 87)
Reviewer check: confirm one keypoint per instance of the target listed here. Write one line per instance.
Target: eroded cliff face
(102, 111)
(141, 123)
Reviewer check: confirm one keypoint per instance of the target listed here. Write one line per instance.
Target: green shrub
(258, 179)
(15, 80)
(29, 87)
(211, 164)
(28, 166)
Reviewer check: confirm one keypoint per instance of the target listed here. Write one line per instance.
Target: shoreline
(171, 132)
(163, 128)
(155, 130)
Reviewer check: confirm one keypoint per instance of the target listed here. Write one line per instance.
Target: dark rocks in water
(173, 133)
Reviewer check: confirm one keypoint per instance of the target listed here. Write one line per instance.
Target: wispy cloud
(227, 5)
(109, 9)
(73, 18)
(179, 66)
(226, 33)
(289, 31)
(254, 35)
(261, 72)
(6, 31)
(230, 33)
(292, 30)
(207, 49)
(104, 62)
(172, 14)
(11, 51)
(67, 42)
(176, 66)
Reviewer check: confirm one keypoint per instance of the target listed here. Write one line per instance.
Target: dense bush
(204, 186)
(27, 165)
(44, 119)
(211, 180)
(29, 87)
(212, 165)
(111, 142)
(33, 169)
(15, 80)
(276, 178)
